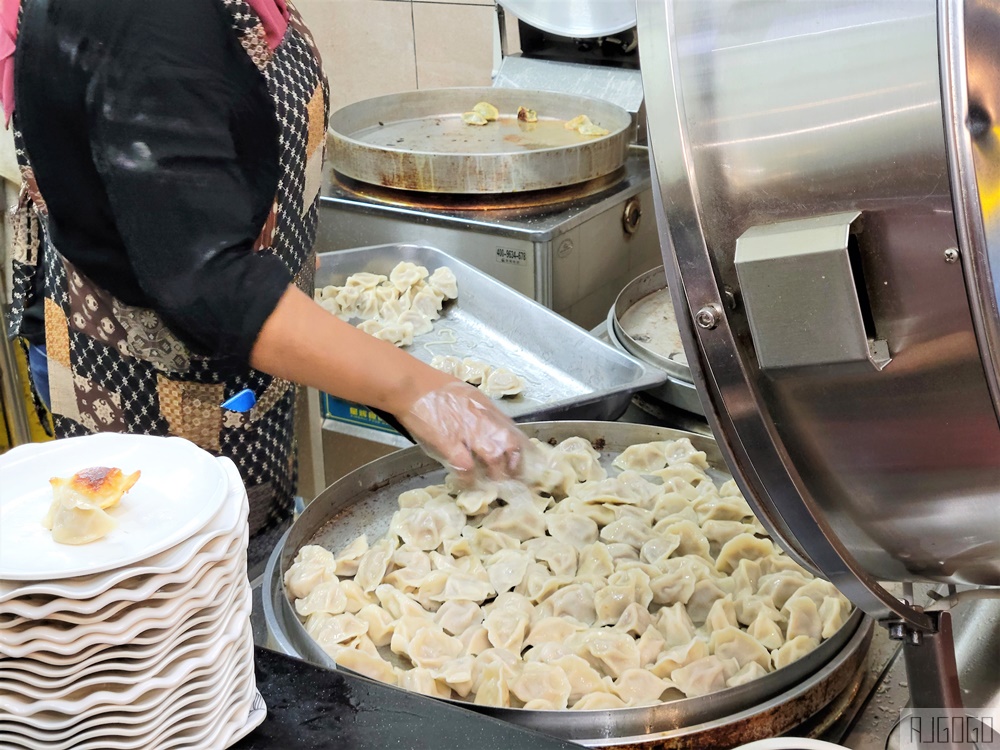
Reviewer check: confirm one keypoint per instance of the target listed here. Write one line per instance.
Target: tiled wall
(373, 47)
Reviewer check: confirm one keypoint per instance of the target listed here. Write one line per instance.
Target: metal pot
(363, 502)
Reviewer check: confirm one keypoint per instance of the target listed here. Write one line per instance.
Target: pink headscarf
(273, 16)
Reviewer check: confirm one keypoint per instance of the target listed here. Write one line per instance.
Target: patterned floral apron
(118, 368)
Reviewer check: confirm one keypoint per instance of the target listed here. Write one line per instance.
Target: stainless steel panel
(417, 140)
(568, 373)
(363, 502)
(800, 289)
(762, 112)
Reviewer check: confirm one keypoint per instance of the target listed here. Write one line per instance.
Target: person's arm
(455, 423)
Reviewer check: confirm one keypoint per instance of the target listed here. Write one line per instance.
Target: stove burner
(528, 200)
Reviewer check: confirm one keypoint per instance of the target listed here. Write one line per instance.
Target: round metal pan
(363, 502)
(417, 141)
(679, 389)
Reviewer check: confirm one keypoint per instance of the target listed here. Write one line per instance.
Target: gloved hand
(459, 426)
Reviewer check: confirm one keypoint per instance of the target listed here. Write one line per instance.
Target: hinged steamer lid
(578, 19)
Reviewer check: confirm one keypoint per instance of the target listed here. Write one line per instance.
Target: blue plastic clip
(242, 401)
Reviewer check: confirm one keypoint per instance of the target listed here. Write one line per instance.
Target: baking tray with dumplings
(365, 501)
(567, 373)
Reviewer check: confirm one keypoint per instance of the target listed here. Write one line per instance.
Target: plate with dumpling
(84, 505)
(626, 583)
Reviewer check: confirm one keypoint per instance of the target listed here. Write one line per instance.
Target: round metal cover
(578, 19)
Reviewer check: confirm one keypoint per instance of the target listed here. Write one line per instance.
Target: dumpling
(325, 597)
(552, 630)
(475, 502)
(406, 275)
(420, 527)
(582, 677)
(611, 650)
(766, 632)
(397, 334)
(638, 687)
(313, 565)
(347, 560)
(651, 643)
(427, 301)
(742, 547)
(780, 587)
(628, 530)
(746, 577)
(507, 568)
(733, 643)
(356, 596)
(370, 666)
(373, 565)
(443, 280)
(493, 689)
(706, 592)
(432, 648)
(680, 656)
(596, 561)
(575, 600)
(748, 673)
(683, 452)
(420, 322)
(380, 623)
(331, 630)
(560, 557)
(834, 612)
(521, 521)
(637, 579)
(397, 603)
(643, 457)
(674, 625)
(544, 682)
(578, 531)
(485, 542)
(473, 371)
(721, 615)
(793, 650)
(476, 640)
(547, 652)
(364, 280)
(659, 548)
(803, 618)
(690, 538)
(501, 382)
(457, 616)
(458, 674)
(582, 458)
(704, 676)
(420, 680)
(506, 628)
(599, 701)
(368, 305)
(635, 619)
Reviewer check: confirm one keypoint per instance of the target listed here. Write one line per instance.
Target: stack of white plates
(140, 639)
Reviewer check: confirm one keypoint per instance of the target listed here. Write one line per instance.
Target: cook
(163, 259)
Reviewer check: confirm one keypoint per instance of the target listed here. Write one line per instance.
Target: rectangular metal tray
(569, 374)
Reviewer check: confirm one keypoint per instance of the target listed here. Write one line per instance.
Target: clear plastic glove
(458, 426)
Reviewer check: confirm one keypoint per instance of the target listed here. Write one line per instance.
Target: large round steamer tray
(417, 141)
(679, 389)
(364, 501)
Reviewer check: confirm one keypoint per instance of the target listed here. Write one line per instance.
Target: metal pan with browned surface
(418, 141)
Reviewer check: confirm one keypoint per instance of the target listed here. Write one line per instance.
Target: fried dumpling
(77, 512)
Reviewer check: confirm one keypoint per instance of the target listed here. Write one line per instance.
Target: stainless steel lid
(578, 19)
(826, 185)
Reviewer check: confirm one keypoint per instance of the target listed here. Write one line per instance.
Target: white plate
(136, 589)
(195, 702)
(57, 715)
(258, 712)
(223, 523)
(109, 678)
(181, 488)
(145, 645)
(68, 640)
(19, 629)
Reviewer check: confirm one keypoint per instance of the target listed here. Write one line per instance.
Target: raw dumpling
(443, 280)
(501, 382)
(638, 687)
(793, 650)
(545, 682)
(406, 275)
(704, 676)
